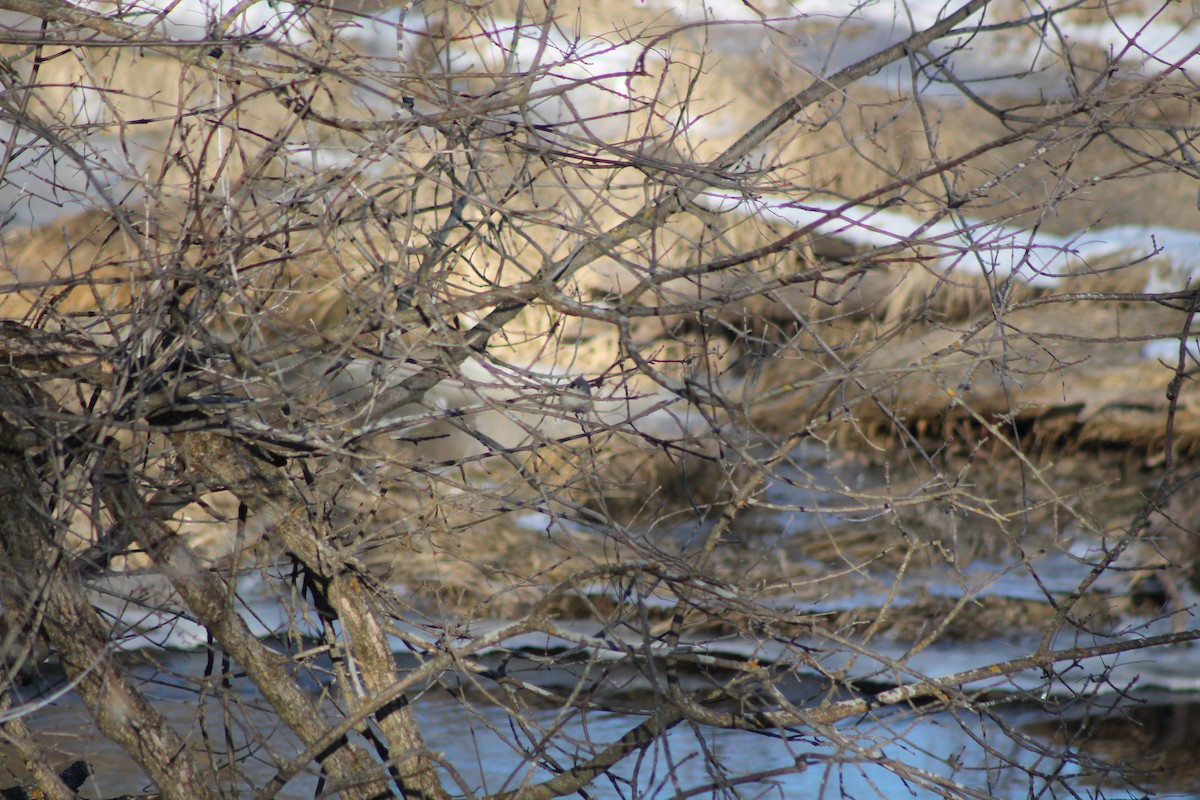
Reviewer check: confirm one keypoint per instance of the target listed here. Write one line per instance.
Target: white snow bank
(194, 19)
(981, 247)
(1167, 351)
(963, 243)
(824, 36)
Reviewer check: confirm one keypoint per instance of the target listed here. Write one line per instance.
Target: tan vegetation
(314, 315)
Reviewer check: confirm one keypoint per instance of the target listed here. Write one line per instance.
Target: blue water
(953, 751)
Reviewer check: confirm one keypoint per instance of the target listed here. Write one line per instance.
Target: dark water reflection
(1154, 740)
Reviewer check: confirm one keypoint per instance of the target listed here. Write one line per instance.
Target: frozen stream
(939, 744)
(1143, 704)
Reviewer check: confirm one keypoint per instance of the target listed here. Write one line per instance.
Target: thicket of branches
(297, 299)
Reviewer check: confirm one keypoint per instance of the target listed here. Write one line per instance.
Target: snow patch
(195, 19)
(825, 36)
(981, 247)
(964, 243)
